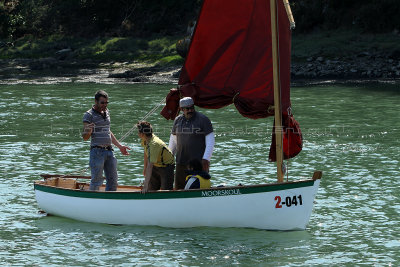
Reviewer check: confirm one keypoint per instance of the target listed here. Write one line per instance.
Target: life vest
(196, 181)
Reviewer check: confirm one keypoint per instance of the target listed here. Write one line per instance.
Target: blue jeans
(102, 159)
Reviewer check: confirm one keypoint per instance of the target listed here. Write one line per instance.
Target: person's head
(144, 129)
(187, 106)
(195, 165)
(101, 100)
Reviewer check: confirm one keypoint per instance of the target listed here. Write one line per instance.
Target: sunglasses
(188, 108)
(104, 102)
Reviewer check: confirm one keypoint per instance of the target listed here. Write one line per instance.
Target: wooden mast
(289, 14)
(277, 93)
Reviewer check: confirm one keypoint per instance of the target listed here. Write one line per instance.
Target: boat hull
(285, 206)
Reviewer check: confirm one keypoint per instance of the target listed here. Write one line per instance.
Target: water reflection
(200, 245)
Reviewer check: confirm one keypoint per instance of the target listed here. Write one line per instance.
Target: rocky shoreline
(363, 67)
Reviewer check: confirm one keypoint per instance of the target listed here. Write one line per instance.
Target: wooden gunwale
(135, 193)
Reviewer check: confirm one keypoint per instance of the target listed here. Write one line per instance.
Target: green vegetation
(342, 44)
(147, 30)
(150, 50)
(161, 50)
(367, 16)
(92, 18)
(143, 18)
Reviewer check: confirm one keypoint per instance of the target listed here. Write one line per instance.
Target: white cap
(186, 102)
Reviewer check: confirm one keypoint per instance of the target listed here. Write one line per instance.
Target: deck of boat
(73, 183)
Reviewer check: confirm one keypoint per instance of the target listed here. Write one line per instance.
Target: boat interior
(68, 182)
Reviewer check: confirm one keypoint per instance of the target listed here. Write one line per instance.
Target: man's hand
(87, 130)
(148, 170)
(206, 165)
(124, 150)
(145, 189)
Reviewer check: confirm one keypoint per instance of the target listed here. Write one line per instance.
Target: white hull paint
(220, 207)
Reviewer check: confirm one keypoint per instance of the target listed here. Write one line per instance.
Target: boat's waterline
(284, 206)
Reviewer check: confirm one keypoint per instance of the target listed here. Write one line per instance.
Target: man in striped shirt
(96, 125)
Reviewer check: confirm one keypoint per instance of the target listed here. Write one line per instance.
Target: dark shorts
(162, 178)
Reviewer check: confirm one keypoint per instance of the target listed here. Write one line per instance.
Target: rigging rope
(143, 119)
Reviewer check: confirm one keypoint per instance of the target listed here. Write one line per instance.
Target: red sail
(230, 57)
(230, 61)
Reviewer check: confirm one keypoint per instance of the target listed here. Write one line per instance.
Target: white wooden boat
(240, 54)
(283, 206)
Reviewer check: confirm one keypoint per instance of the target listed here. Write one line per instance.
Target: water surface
(351, 133)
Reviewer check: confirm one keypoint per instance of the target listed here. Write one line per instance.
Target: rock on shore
(370, 66)
(364, 65)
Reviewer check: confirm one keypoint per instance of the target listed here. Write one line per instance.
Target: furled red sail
(230, 59)
(292, 139)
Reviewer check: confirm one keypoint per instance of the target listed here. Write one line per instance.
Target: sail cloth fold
(292, 139)
(171, 108)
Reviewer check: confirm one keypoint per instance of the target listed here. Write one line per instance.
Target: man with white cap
(192, 138)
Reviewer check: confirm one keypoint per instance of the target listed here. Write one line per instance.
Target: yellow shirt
(157, 152)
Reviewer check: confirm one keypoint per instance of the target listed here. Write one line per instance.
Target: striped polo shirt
(101, 135)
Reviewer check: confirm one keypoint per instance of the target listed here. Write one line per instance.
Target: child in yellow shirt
(159, 163)
(197, 178)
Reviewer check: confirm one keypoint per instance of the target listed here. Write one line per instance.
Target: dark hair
(145, 127)
(195, 164)
(99, 94)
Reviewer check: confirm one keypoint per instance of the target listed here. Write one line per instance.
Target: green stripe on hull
(214, 192)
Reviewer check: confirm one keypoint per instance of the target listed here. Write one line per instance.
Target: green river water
(351, 133)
